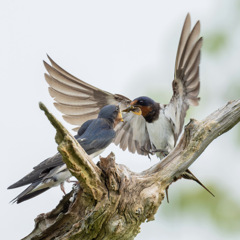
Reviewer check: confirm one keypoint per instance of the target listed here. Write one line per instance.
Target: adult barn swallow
(94, 136)
(158, 126)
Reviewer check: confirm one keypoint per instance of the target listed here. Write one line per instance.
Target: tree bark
(112, 201)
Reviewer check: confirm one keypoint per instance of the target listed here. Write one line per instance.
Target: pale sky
(119, 46)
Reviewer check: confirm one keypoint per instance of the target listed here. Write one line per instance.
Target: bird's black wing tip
(12, 186)
(29, 196)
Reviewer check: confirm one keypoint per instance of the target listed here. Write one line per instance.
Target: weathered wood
(113, 201)
(78, 162)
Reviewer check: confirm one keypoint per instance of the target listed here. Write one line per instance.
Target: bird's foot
(72, 181)
(62, 188)
(148, 152)
(164, 153)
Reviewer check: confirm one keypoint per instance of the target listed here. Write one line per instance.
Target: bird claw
(148, 152)
(62, 188)
(163, 152)
(154, 151)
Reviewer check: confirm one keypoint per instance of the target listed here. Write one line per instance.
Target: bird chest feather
(160, 133)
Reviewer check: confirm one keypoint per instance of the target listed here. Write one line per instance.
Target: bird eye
(117, 108)
(141, 101)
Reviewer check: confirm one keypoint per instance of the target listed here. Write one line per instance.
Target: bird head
(111, 113)
(144, 106)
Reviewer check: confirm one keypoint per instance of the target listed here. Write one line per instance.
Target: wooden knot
(110, 171)
(107, 163)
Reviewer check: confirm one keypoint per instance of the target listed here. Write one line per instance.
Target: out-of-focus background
(125, 47)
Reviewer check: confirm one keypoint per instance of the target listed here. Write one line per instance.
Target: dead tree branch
(113, 201)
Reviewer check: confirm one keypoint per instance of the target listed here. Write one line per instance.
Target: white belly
(160, 133)
(60, 174)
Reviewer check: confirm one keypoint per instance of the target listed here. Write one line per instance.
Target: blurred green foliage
(215, 42)
(222, 210)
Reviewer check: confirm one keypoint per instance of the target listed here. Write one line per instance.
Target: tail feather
(188, 175)
(30, 195)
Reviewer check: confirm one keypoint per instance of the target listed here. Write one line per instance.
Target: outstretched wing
(80, 101)
(76, 99)
(132, 134)
(186, 84)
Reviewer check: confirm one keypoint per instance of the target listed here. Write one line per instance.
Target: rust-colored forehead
(133, 102)
(145, 109)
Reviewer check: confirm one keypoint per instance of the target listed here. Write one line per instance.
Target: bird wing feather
(39, 171)
(80, 101)
(186, 83)
(76, 99)
(132, 134)
(97, 136)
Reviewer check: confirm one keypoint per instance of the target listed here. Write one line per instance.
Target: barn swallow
(155, 127)
(94, 136)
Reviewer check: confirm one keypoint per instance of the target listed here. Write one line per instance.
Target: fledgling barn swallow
(155, 126)
(94, 136)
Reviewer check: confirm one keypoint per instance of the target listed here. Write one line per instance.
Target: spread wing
(80, 101)
(133, 134)
(186, 83)
(76, 99)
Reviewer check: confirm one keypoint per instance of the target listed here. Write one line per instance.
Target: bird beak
(135, 109)
(119, 117)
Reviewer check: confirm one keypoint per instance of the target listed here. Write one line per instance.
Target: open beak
(135, 109)
(119, 117)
